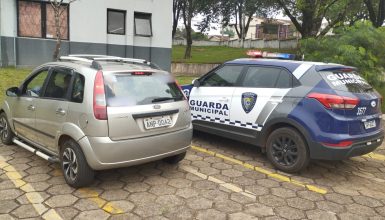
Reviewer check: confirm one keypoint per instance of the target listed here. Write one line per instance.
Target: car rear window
(131, 89)
(346, 81)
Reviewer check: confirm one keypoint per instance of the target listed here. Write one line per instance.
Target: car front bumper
(103, 153)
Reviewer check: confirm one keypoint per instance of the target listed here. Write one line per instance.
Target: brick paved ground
(235, 183)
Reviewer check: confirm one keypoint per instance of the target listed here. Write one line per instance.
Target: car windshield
(131, 89)
(346, 81)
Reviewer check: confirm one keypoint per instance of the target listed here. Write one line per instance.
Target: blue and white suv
(293, 110)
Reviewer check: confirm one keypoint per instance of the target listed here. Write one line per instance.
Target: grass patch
(185, 80)
(10, 77)
(215, 54)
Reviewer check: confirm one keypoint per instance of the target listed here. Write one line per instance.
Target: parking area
(219, 179)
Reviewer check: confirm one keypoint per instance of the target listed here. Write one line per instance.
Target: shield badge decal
(248, 101)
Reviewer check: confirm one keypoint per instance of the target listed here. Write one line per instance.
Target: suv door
(261, 90)
(211, 101)
(24, 107)
(52, 107)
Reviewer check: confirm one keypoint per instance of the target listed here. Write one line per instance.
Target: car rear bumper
(103, 153)
(360, 146)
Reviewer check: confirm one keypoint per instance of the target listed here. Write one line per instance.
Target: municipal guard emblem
(248, 101)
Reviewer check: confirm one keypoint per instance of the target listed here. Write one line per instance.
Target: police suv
(294, 110)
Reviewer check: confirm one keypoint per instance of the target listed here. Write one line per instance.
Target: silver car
(97, 112)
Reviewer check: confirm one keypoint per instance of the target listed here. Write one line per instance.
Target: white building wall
(8, 18)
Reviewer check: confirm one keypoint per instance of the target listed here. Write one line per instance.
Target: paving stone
(187, 192)
(214, 194)
(112, 184)
(8, 194)
(221, 166)
(162, 190)
(227, 206)
(301, 204)
(25, 211)
(180, 183)
(37, 178)
(330, 206)
(321, 215)
(6, 217)
(117, 194)
(360, 210)
(350, 216)
(123, 205)
(367, 201)
(156, 180)
(61, 201)
(282, 192)
(232, 173)
(150, 172)
(67, 212)
(289, 213)
(137, 187)
(60, 189)
(169, 200)
(142, 198)
(338, 198)
(199, 203)
(125, 216)
(7, 206)
(93, 214)
(200, 164)
(243, 181)
(179, 212)
(210, 214)
(241, 199)
(205, 184)
(267, 183)
(309, 195)
(272, 200)
(257, 190)
(86, 205)
(150, 209)
(241, 216)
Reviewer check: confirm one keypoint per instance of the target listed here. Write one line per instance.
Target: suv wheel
(287, 150)
(5, 130)
(175, 159)
(77, 172)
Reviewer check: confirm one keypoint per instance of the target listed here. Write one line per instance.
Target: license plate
(370, 124)
(157, 122)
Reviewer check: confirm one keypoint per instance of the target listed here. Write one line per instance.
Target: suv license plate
(370, 124)
(157, 122)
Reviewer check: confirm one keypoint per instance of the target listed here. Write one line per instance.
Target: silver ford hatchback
(97, 112)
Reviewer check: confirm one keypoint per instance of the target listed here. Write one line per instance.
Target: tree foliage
(307, 15)
(360, 45)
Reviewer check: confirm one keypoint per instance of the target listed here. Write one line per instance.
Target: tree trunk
(176, 13)
(187, 17)
(58, 34)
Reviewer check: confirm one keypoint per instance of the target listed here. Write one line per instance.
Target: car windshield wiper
(161, 99)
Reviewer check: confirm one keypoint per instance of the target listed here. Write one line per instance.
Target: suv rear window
(346, 81)
(127, 89)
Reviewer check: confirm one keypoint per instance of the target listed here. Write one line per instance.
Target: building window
(36, 19)
(116, 21)
(143, 24)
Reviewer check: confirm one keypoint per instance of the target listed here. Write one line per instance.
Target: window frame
(32, 76)
(237, 82)
(43, 14)
(294, 80)
(72, 86)
(124, 20)
(146, 14)
(67, 96)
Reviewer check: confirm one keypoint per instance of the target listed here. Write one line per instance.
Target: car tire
(77, 173)
(287, 150)
(175, 159)
(6, 133)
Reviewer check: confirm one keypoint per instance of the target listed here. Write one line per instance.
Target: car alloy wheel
(70, 164)
(285, 150)
(3, 128)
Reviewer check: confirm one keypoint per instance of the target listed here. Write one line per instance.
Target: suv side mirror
(196, 83)
(13, 91)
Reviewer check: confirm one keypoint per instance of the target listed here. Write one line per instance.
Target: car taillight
(100, 105)
(335, 101)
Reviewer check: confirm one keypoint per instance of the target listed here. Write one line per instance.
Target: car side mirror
(196, 83)
(13, 91)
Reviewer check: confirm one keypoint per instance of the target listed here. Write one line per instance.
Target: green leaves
(360, 45)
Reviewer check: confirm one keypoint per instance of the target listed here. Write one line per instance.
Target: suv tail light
(335, 101)
(100, 104)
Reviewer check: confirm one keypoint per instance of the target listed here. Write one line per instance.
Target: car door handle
(224, 99)
(31, 108)
(60, 111)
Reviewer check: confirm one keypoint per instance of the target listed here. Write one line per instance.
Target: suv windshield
(130, 89)
(346, 81)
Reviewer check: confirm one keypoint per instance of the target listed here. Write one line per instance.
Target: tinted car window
(126, 89)
(78, 89)
(58, 84)
(223, 77)
(34, 87)
(285, 80)
(261, 77)
(346, 81)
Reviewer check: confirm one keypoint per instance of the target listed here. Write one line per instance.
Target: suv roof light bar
(71, 58)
